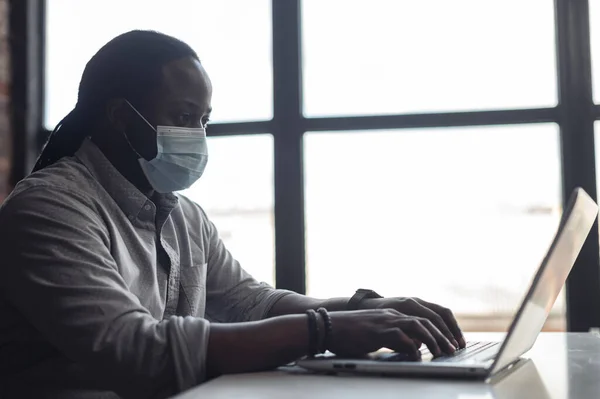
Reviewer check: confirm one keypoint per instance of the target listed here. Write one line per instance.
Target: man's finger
(396, 340)
(442, 341)
(448, 318)
(421, 310)
(415, 330)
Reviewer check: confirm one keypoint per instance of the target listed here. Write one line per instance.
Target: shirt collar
(134, 203)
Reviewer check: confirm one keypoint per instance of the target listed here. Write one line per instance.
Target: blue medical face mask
(181, 158)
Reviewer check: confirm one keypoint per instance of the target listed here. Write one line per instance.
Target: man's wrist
(359, 297)
(334, 304)
(370, 303)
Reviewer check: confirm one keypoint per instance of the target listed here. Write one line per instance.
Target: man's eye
(184, 119)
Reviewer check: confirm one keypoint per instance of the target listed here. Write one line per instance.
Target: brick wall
(5, 142)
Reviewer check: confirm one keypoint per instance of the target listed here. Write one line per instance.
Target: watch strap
(359, 295)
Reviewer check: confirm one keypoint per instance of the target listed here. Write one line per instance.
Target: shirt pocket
(193, 285)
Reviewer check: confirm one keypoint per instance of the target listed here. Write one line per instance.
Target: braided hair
(128, 66)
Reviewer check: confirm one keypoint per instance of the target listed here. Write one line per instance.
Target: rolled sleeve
(232, 294)
(57, 270)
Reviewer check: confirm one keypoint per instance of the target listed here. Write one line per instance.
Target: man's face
(184, 100)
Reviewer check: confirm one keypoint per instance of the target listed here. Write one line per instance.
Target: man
(112, 283)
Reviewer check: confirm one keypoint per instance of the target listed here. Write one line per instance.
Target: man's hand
(440, 316)
(266, 344)
(359, 332)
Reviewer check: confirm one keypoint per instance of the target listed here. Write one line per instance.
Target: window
(459, 216)
(231, 37)
(390, 56)
(236, 192)
(431, 151)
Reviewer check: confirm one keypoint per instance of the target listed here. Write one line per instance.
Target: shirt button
(147, 207)
(130, 217)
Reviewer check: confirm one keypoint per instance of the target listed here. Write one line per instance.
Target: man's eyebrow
(190, 103)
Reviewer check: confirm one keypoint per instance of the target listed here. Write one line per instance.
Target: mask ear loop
(125, 135)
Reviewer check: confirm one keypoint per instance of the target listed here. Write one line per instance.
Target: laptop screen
(575, 225)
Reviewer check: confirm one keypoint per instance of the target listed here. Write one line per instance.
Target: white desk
(562, 366)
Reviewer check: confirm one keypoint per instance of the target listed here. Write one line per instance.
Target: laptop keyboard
(470, 350)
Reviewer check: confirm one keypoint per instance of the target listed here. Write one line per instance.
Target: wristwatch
(358, 296)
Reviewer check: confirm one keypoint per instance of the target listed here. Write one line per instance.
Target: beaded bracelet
(313, 332)
(328, 329)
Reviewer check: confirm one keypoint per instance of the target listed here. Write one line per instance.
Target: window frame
(575, 115)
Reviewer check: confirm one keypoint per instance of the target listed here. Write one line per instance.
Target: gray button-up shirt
(103, 288)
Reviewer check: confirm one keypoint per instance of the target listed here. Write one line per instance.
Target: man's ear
(123, 118)
(116, 113)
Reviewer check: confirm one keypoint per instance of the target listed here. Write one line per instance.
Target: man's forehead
(185, 73)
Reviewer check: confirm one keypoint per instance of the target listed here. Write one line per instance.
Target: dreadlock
(129, 66)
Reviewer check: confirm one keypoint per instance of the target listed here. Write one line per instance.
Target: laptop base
(473, 362)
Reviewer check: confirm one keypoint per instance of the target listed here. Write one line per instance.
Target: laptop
(481, 360)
